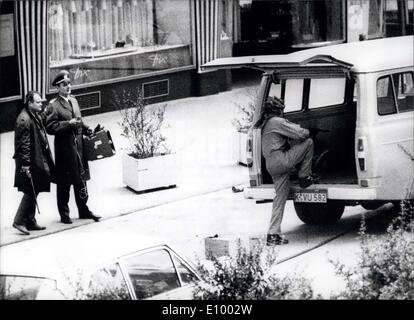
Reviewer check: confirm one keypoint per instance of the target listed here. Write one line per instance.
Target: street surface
(199, 130)
(184, 225)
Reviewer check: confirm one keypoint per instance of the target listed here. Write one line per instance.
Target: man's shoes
(90, 215)
(21, 228)
(275, 240)
(35, 227)
(66, 220)
(307, 181)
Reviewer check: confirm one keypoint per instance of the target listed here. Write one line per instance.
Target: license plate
(313, 196)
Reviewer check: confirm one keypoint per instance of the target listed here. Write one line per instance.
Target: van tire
(320, 213)
(371, 205)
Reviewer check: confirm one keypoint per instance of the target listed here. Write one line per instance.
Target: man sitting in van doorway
(281, 158)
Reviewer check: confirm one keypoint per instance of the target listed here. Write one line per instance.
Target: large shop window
(107, 39)
(9, 65)
(399, 17)
(317, 21)
(291, 22)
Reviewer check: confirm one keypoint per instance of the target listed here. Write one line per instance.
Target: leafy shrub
(245, 112)
(140, 124)
(386, 266)
(246, 276)
(101, 285)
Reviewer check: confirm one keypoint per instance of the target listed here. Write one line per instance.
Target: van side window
(385, 96)
(326, 92)
(293, 94)
(405, 91)
(275, 90)
(398, 85)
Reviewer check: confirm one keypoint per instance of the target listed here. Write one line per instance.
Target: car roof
(362, 57)
(69, 253)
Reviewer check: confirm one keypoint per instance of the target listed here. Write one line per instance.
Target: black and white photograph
(207, 154)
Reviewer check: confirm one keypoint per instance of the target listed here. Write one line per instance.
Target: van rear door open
(362, 94)
(272, 62)
(295, 73)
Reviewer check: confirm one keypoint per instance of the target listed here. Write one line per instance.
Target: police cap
(62, 76)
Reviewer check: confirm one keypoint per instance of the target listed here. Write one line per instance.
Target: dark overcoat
(32, 149)
(71, 164)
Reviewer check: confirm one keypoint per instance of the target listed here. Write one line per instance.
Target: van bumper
(335, 192)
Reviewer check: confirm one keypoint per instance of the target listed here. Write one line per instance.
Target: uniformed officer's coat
(32, 150)
(71, 165)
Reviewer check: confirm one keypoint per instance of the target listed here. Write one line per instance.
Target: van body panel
(364, 56)
(389, 142)
(275, 61)
(379, 148)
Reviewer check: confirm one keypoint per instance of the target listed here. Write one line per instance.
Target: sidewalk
(199, 131)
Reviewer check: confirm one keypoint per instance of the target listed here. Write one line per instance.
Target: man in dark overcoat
(65, 123)
(34, 162)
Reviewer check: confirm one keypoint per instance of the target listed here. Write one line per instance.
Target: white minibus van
(361, 96)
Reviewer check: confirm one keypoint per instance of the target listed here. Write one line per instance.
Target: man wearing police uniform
(65, 123)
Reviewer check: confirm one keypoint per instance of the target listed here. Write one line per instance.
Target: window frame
(394, 91)
(343, 101)
(123, 274)
(19, 95)
(121, 261)
(42, 280)
(306, 90)
(400, 74)
(79, 64)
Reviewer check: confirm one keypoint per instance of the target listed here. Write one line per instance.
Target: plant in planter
(148, 163)
(242, 123)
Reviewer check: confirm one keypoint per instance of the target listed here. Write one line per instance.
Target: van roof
(364, 56)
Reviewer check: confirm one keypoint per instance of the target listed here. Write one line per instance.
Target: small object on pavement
(236, 189)
(263, 201)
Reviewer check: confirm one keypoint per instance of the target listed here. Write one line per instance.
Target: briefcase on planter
(98, 146)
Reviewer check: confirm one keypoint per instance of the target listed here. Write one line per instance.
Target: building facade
(158, 46)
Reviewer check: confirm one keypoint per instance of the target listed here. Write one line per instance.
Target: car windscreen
(15, 287)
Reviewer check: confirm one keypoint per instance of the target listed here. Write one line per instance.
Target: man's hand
(89, 132)
(75, 122)
(26, 170)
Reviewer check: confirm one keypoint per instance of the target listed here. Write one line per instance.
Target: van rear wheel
(371, 205)
(320, 213)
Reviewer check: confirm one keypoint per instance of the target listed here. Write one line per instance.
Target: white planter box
(149, 173)
(239, 147)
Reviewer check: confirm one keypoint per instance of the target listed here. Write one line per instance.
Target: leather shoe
(275, 240)
(35, 227)
(307, 181)
(66, 220)
(90, 216)
(21, 228)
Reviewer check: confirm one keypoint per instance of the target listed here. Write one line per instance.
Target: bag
(98, 146)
